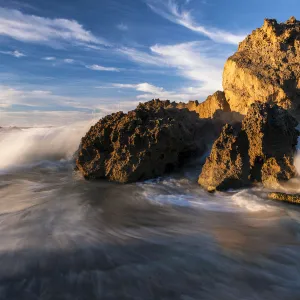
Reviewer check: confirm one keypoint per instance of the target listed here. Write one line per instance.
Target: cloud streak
(35, 29)
(149, 91)
(201, 62)
(122, 27)
(171, 11)
(101, 68)
(15, 53)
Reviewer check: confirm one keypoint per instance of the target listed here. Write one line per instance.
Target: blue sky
(67, 60)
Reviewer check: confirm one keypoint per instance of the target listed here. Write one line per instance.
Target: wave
(27, 146)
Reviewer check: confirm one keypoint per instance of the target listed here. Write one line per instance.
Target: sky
(63, 61)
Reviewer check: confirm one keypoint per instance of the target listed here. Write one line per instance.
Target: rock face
(265, 68)
(227, 165)
(208, 108)
(262, 151)
(145, 143)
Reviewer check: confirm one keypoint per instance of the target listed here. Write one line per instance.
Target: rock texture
(227, 166)
(265, 68)
(145, 143)
(208, 108)
(263, 148)
(290, 198)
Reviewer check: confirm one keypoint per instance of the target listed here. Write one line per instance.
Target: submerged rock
(147, 142)
(261, 151)
(265, 68)
(290, 198)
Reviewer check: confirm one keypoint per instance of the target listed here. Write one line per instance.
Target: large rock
(265, 68)
(263, 148)
(147, 142)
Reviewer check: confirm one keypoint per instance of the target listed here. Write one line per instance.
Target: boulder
(265, 68)
(261, 151)
(145, 143)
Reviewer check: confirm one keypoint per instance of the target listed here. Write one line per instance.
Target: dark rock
(228, 164)
(146, 143)
(272, 134)
(266, 144)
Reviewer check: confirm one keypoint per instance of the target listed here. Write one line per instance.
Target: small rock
(290, 198)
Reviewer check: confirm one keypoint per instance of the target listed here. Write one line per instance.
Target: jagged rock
(265, 68)
(272, 134)
(267, 150)
(145, 143)
(227, 166)
(275, 171)
(207, 109)
(290, 198)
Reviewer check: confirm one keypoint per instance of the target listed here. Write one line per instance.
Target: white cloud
(12, 96)
(49, 58)
(39, 118)
(101, 68)
(171, 11)
(194, 62)
(15, 53)
(142, 57)
(150, 91)
(201, 62)
(69, 60)
(122, 27)
(54, 32)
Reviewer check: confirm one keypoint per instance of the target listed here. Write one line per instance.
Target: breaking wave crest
(21, 147)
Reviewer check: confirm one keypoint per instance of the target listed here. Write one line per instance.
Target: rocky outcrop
(289, 198)
(228, 165)
(265, 68)
(264, 148)
(207, 109)
(145, 143)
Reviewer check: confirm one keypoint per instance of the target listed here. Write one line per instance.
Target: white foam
(27, 146)
(247, 200)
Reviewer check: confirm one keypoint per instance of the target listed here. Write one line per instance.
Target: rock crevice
(262, 151)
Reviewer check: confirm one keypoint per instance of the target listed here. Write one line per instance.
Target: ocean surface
(62, 237)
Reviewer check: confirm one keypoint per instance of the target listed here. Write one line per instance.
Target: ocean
(62, 237)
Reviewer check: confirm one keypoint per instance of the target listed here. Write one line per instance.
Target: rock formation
(265, 68)
(263, 148)
(145, 143)
(227, 166)
(208, 108)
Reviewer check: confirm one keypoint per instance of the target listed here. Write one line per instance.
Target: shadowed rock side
(227, 166)
(266, 150)
(147, 142)
(266, 68)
